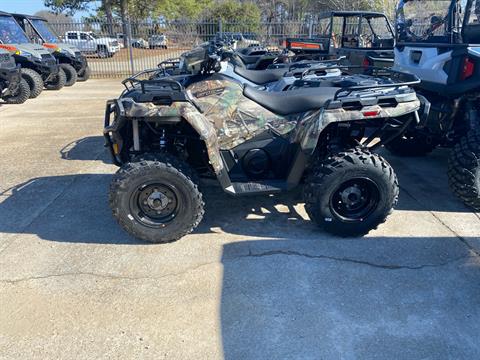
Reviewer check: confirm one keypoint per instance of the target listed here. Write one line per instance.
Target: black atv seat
(291, 102)
(260, 77)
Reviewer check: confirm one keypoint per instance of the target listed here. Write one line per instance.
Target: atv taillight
(366, 62)
(468, 68)
(371, 113)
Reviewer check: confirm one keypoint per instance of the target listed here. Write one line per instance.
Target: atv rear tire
(156, 200)
(351, 193)
(70, 73)
(22, 94)
(464, 169)
(84, 75)
(57, 82)
(411, 144)
(34, 81)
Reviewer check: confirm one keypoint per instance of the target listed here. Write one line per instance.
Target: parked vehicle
(364, 38)
(139, 43)
(90, 43)
(158, 41)
(13, 89)
(279, 76)
(39, 67)
(242, 40)
(436, 41)
(165, 133)
(71, 60)
(256, 57)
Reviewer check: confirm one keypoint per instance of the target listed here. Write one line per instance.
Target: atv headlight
(65, 52)
(24, 54)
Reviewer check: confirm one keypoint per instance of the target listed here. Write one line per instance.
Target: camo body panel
(228, 119)
(235, 117)
(186, 111)
(311, 124)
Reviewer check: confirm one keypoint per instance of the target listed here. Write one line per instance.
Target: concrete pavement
(256, 280)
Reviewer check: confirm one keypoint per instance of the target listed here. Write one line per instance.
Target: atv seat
(291, 102)
(260, 77)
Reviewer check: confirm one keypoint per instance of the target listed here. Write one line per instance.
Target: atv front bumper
(113, 139)
(79, 62)
(11, 77)
(46, 67)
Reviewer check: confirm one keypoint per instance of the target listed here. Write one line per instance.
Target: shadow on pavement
(74, 208)
(85, 149)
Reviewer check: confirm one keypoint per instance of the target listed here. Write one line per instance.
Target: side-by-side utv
(71, 60)
(13, 89)
(39, 67)
(439, 41)
(363, 38)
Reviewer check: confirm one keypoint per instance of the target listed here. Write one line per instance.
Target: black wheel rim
(155, 204)
(355, 199)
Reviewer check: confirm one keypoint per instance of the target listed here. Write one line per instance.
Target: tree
(68, 6)
(234, 12)
(52, 17)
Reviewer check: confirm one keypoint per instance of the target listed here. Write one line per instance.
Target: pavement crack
(104, 275)
(459, 237)
(354, 261)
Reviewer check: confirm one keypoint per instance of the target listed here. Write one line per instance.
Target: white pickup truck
(90, 43)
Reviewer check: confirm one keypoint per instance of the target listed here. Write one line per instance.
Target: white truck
(90, 43)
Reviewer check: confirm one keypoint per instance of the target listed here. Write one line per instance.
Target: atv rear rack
(402, 80)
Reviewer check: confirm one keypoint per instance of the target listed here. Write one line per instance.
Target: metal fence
(98, 40)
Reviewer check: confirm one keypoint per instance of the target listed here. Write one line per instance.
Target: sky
(28, 7)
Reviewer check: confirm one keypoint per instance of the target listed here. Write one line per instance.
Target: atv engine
(262, 157)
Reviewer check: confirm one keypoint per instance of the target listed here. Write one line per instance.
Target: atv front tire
(84, 75)
(34, 81)
(21, 95)
(70, 73)
(156, 200)
(351, 193)
(57, 82)
(464, 169)
(411, 144)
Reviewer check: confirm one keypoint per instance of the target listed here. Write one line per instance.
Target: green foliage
(67, 6)
(237, 15)
(179, 9)
(247, 12)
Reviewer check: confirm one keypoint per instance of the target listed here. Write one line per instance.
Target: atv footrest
(253, 188)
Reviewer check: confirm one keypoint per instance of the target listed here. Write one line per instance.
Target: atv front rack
(143, 77)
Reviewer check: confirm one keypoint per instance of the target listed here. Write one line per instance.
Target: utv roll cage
(29, 18)
(363, 17)
(457, 24)
(329, 36)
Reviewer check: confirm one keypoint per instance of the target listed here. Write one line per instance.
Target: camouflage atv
(167, 133)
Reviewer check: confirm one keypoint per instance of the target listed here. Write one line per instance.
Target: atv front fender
(129, 109)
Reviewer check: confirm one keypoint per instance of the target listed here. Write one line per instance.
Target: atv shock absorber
(163, 141)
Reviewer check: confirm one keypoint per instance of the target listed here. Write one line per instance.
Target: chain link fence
(111, 54)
